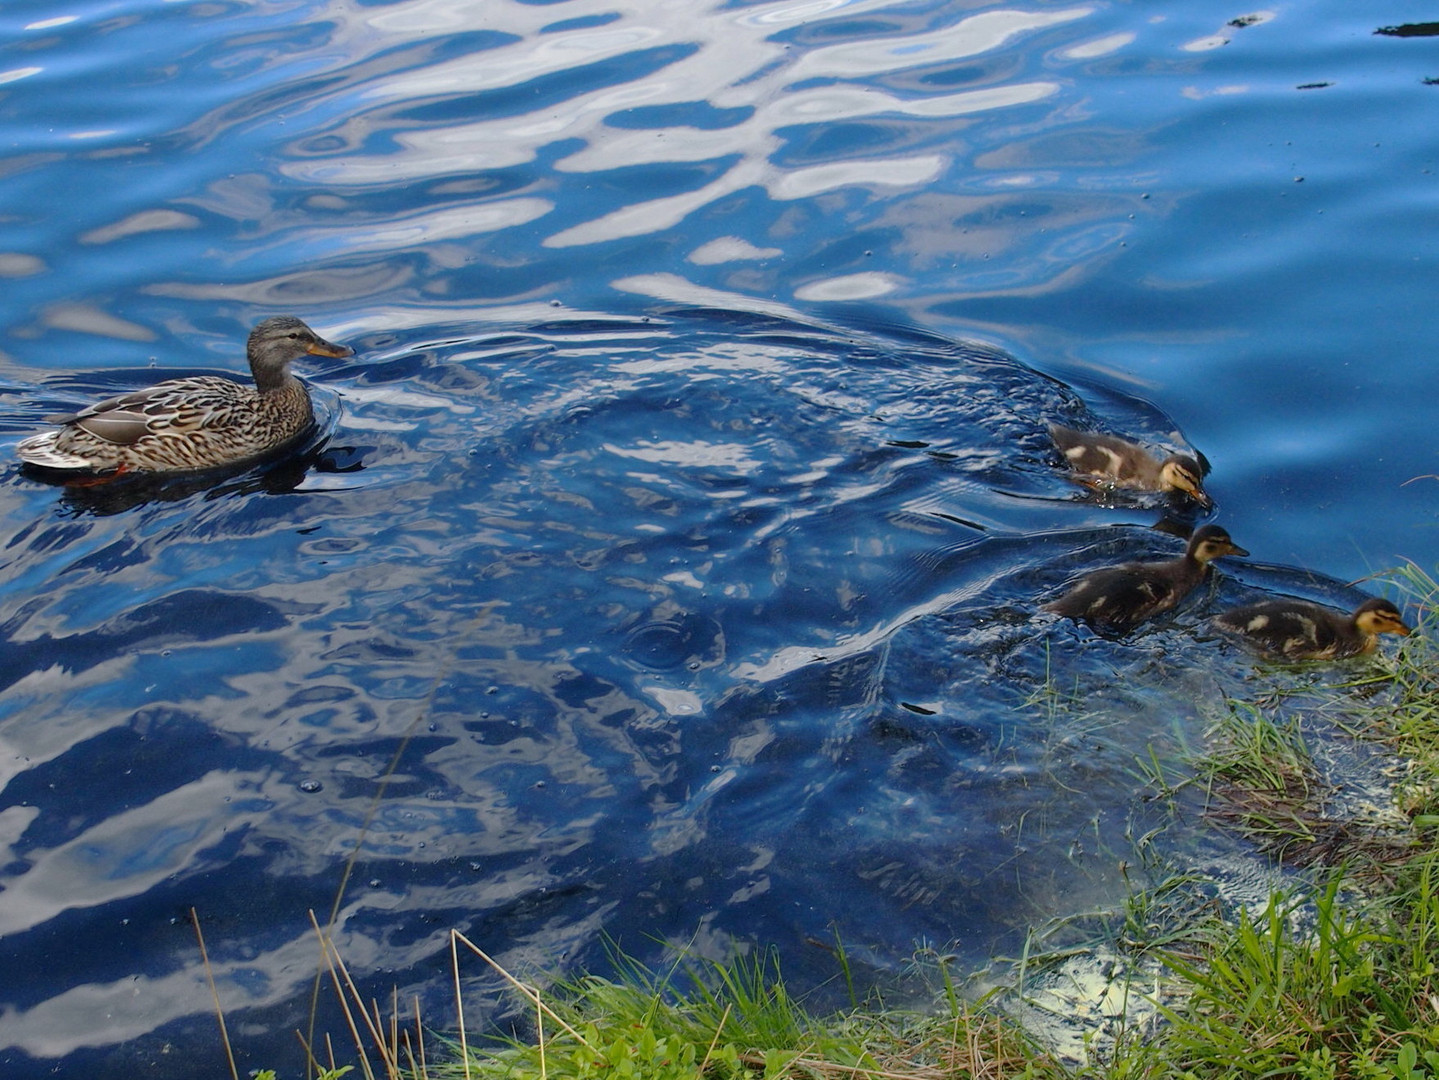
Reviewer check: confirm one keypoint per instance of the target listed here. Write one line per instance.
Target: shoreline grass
(1334, 977)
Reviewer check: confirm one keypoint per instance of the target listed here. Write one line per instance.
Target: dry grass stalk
(421, 1068)
(330, 956)
(459, 1003)
(529, 992)
(803, 1064)
(540, 1038)
(386, 1038)
(719, 1028)
(215, 995)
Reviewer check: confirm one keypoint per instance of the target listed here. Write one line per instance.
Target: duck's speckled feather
(1108, 460)
(194, 423)
(1301, 630)
(181, 424)
(1116, 599)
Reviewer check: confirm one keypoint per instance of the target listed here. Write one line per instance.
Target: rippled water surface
(677, 533)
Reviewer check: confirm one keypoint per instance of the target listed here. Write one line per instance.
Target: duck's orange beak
(320, 347)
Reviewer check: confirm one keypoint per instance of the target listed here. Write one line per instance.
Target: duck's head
(1210, 542)
(1380, 617)
(1182, 473)
(278, 341)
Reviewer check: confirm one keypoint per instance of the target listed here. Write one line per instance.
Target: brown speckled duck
(184, 425)
(1108, 459)
(1299, 630)
(1116, 599)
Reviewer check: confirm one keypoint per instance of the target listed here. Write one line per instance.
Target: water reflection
(705, 613)
(729, 63)
(702, 614)
(677, 614)
(422, 158)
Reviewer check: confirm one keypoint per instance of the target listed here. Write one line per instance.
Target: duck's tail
(41, 451)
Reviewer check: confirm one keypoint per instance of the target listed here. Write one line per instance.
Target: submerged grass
(1336, 979)
(1262, 780)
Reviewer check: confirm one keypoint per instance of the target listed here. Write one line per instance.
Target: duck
(1294, 629)
(1116, 599)
(190, 424)
(1109, 459)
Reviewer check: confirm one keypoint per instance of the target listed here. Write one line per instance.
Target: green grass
(1317, 984)
(1321, 984)
(733, 1021)
(1262, 781)
(1411, 726)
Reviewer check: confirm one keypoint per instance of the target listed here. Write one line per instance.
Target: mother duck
(184, 425)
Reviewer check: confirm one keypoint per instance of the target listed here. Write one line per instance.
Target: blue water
(680, 524)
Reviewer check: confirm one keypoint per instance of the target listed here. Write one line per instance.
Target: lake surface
(667, 566)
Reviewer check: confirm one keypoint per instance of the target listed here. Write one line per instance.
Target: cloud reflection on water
(732, 62)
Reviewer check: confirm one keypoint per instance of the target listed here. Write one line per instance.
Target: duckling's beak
(1235, 549)
(321, 347)
(1401, 628)
(1201, 496)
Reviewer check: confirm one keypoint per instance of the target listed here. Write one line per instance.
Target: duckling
(202, 422)
(1298, 630)
(1108, 459)
(1116, 599)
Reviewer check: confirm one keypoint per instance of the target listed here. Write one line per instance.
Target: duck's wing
(1098, 454)
(176, 406)
(1118, 598)
(1293, 630)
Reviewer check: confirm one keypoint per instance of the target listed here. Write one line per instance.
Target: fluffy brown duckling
(1116, 599)
(1300, 630)
(1108, 459)
(196, 423)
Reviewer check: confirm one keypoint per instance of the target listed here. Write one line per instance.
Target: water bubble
(309, 787)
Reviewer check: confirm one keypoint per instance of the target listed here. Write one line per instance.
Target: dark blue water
(679, 529)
